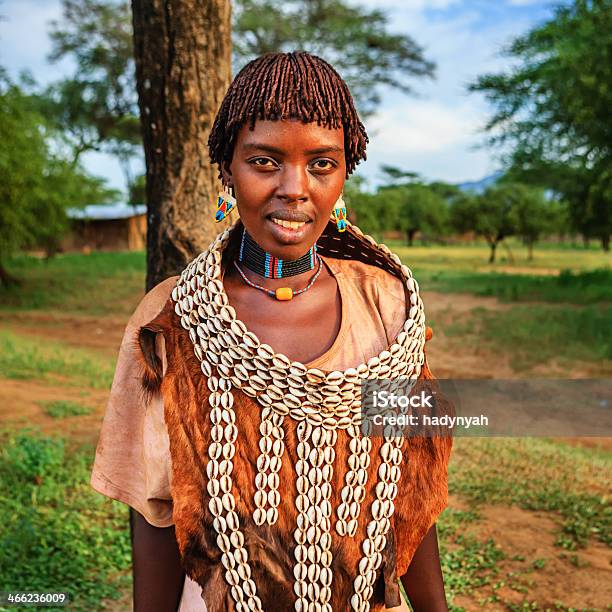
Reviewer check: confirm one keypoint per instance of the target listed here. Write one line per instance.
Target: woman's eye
(323, 164)
(262, 162)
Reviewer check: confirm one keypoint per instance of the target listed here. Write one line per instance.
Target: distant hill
(481, 185)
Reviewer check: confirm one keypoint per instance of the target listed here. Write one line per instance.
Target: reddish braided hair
(294, 85)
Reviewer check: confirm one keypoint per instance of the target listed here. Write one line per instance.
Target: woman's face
(287, 176)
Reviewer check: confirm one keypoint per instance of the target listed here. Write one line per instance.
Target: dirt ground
(528, 538)
(101, 334)
(580, 582)
(451, 358)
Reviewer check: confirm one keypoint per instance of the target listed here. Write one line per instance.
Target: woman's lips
(289, 224)
(288, 232)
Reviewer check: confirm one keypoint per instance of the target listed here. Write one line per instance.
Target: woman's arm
(423, 580)
(158, 574)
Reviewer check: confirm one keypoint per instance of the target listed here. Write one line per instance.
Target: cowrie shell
(215, 506)
(259, 516)
(280, 361)
(316, 376)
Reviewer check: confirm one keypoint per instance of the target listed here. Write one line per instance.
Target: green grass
(471, 565)
(99, 283)
(62, 408)
(27, 358)
(103, 283)
(537, 333)
(590, 287)
(569, 483)
(467, 563)
(472, 258)
(534, 606)
(541, 475)
(57, 533)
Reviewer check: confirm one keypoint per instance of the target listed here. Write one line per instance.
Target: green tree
(415, 208)
(355, 39)
(412, 205)
(394, 176)
(138, 190)
(37, 186)
(490, 214)
(575, 186)
(445, 190)
(533, 215)
(464, 212)
(599, 205)
(553, 109)
(97, 107)
(368, 210)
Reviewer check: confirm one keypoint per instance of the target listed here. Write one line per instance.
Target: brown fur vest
(422, 488)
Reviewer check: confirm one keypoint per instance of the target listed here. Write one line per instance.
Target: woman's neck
(264, 264)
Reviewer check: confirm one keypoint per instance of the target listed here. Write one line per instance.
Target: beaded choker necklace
(253, 257)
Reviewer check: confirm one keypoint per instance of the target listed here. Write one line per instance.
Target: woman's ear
(226, 173)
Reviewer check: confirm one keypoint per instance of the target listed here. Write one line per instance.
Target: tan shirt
(132, 461)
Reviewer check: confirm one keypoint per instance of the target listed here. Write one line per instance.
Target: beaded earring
(226, 202)
(339, 214)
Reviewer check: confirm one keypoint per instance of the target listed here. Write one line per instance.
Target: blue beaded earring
(226, 202)
(339, 214)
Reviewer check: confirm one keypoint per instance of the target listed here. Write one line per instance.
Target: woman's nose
(293, 184)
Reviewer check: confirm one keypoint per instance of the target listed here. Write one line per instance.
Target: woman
(250, 482)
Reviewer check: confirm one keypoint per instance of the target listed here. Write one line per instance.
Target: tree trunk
(410, 236)
(605, 243)
(509, 251)
(493, 246)
(6, 278)
(530, 251)
(182, 50)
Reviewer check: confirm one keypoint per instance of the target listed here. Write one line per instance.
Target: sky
(437, 133)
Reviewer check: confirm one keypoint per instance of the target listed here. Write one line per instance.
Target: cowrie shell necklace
(321, 402)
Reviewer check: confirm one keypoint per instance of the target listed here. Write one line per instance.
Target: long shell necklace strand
(322, 403)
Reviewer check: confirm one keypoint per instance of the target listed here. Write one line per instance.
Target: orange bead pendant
(284, 293)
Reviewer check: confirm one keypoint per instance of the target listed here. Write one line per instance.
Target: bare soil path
(101, 334)
(535, 570)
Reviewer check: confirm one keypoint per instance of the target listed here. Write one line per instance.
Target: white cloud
(101, 164)
(423, 126)
(432, 138)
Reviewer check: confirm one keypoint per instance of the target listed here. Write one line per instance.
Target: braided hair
(294, 85)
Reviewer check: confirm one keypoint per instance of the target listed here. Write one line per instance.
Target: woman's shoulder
(368, 278)
(153, 302)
